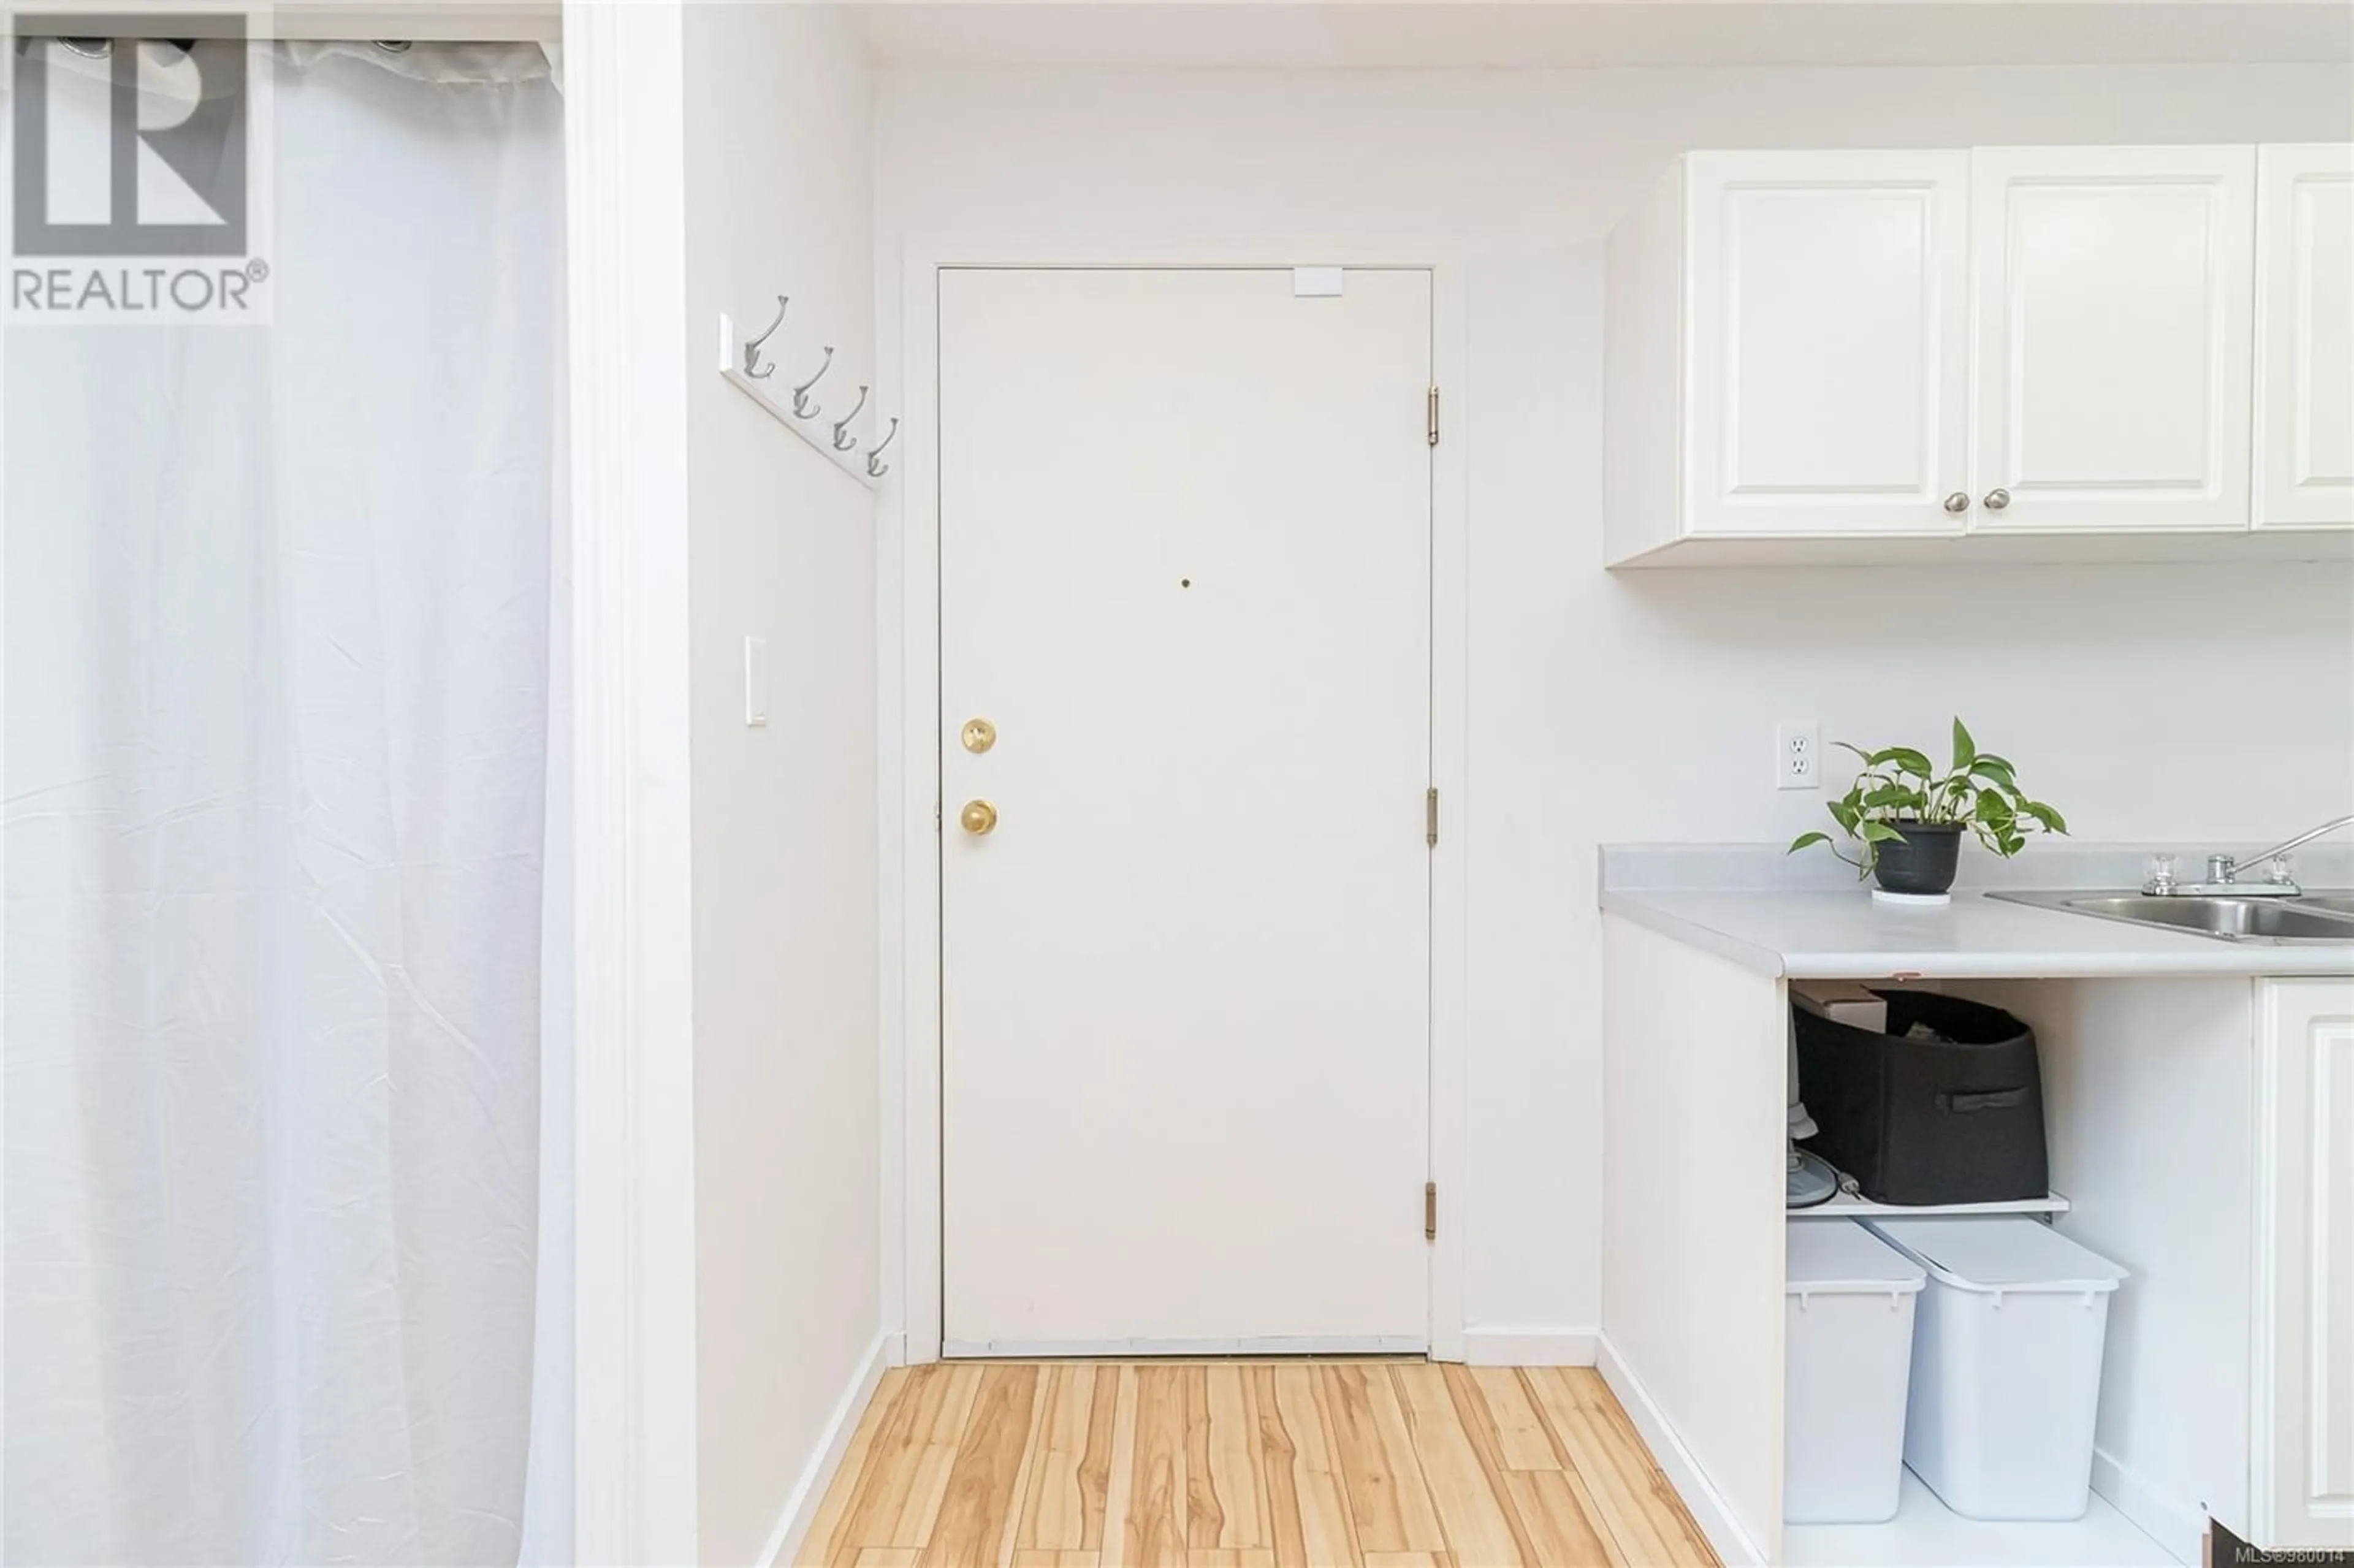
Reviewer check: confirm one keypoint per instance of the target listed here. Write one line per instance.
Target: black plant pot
(1922, 861)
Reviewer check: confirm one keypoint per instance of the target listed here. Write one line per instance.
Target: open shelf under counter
(1925, 1533)
(1849, 1205)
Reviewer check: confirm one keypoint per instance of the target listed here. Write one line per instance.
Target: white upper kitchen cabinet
(1830, 318)
(1997, 354)
(1787, 350)
(2114, 302)
(2304, 337)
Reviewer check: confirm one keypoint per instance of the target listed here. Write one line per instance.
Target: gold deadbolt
(978, 817)
(980, 734)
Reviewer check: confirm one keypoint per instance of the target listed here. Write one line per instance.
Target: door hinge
(936, 816)
(1433, 416)
(1430, 1211)
(1430, 817)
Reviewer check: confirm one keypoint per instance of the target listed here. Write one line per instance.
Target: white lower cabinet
(2301, 1447)
(2203, 1130)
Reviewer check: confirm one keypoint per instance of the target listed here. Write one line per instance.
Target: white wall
(1641, 707)
(781, 546)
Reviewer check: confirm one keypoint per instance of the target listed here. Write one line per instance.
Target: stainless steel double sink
(2307, 918)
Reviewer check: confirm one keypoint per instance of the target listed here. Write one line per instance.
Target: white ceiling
(1376, 35)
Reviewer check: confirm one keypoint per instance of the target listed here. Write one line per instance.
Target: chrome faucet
(2223, 870)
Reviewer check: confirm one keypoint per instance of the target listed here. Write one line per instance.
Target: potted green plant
(1906, 818)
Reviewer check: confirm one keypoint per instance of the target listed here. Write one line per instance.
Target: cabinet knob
(1995, 500)
(1957, 502)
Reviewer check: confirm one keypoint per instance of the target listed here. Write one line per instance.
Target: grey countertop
(1786, 917)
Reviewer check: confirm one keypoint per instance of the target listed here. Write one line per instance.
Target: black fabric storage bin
(1925, 1121)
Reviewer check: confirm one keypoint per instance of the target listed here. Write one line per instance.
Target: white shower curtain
(287, 1275)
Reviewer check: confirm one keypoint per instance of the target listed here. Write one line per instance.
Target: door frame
(634, 1388)
(907, 611)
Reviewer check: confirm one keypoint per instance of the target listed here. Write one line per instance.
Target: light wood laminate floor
(1332, 1464)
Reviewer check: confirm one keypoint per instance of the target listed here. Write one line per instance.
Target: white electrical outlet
(1796, 743)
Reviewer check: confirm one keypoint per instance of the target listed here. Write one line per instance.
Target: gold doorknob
(980, 734)
(978, 817)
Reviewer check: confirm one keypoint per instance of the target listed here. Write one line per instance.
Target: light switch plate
(756, 682)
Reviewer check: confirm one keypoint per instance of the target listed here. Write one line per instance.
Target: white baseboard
(1268, 1345)
(1531, 1347)
(809, 1491)
(1683, 1472)
(2179, 1528)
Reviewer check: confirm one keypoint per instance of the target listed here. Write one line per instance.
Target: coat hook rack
(875, 467)
(843, 439)
(752, 365)
(749, 367)
(804, 406)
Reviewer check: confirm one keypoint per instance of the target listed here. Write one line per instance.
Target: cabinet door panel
(1828, 358)
(2304, 337)
(2114, 302)
(2302, 1453)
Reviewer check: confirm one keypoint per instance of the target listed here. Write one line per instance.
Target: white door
(2114, 299)
(1830, 332)
(2302, 1473)
(2304, 337)
(1185, 576)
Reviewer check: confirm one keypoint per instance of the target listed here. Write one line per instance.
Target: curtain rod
(353, 21)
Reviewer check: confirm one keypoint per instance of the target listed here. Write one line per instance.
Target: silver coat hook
(843, 439)
(875, 467)
(752, 365)
(805, 407)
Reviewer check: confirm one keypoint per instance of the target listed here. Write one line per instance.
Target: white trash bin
(1847, 1341)
(2006, 1364)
